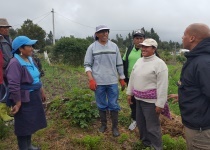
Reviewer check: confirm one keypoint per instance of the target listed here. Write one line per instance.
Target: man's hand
(92, 84)
(174, 97)
(122, 83)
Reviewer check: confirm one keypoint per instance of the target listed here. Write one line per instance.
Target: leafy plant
(173, 144)
(70, 50)
(123, 137)
(4, 130)
(140, 146)
(80, 109)
(91, 142)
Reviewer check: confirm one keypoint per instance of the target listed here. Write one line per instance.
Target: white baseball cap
(149, 42)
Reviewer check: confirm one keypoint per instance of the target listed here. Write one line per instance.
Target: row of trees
(34, 31)
(71, 50)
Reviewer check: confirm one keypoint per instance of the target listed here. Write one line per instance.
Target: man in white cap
(5, 50)
(104, 67)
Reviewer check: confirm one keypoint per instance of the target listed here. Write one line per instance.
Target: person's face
(4, 30)
(147, 51)
(137, 40)
(186, 39)
(103, 35)
(27, 50)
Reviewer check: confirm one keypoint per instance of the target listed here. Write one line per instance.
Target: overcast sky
(168, 18)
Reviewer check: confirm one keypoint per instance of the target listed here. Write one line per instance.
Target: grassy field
(73, 121)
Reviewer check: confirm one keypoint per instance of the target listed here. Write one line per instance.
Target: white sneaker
(132, 125)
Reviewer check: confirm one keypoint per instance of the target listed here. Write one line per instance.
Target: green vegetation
(73, 117)
(4, 130)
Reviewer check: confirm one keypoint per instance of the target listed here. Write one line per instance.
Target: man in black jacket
(194, 88)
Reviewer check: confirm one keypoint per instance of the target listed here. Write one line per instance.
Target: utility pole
(53, 26)
(175, 53)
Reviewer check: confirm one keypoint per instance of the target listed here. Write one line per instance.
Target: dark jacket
(194, 90)
(6, 48)
(125, 62)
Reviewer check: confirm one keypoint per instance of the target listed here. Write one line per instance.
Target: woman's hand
(15, 108)
(174, 97)
(158, 110)
(129, 99)
(43, 96)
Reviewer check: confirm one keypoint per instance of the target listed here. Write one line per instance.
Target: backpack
(3, 82)
(1, 67)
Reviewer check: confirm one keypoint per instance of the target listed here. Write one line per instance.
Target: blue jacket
(194, 90)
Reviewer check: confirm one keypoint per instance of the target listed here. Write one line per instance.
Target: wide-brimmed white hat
(101, 27)
(4, 23)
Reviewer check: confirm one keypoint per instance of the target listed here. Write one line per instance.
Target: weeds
(91, 142)
(4, 130)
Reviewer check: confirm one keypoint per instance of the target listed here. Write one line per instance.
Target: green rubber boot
(3, 113)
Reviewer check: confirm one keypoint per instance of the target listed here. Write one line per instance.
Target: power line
(34, 19)
(44, 17)
(75, 21)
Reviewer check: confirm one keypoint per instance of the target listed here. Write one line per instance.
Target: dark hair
(156, 53)
(18, 50)
(96, 38)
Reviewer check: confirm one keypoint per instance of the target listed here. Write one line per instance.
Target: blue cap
(20, 41)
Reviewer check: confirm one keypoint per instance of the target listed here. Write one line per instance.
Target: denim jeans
(107, 97)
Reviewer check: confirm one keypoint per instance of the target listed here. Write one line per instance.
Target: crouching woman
(25, 92)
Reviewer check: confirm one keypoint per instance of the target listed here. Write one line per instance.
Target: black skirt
(31, 116)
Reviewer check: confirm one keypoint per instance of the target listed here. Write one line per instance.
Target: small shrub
(140, 146)
(123, 137)
(80, 109)
(124, 120)
(170, 143)
(4, 130)
(91, 142)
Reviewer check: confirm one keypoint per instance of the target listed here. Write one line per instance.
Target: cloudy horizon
(80, 17)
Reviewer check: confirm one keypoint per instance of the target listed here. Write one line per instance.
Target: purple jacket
(17, 75)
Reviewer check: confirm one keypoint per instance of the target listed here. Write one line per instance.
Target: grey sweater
(105, 63)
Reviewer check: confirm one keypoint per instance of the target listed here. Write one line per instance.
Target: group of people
(20, 74)
(146, 76)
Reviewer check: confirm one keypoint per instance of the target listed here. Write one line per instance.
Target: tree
(70, 51)
(90, 39)
(49, 39)
(12, 33)
(33, 31)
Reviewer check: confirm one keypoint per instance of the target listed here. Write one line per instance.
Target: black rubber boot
(22, 142)
(102, 115)
(30, 146)
(114, 117)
